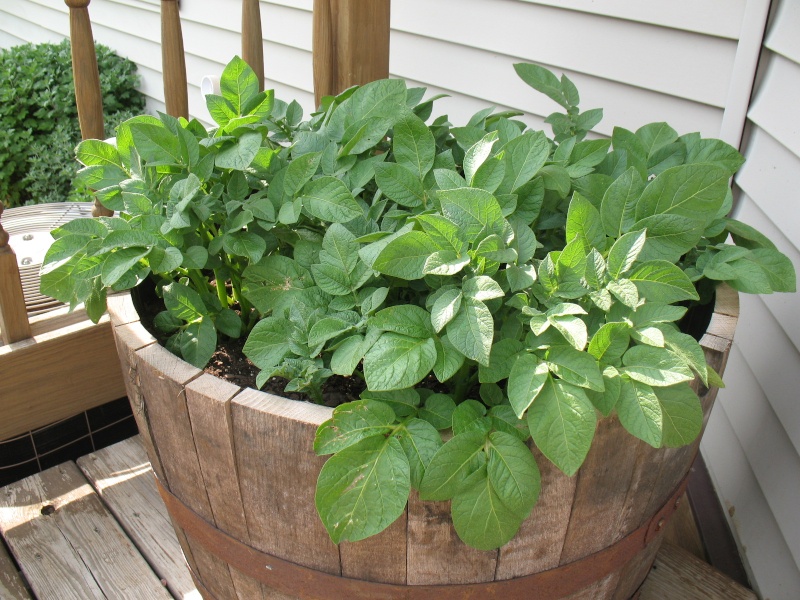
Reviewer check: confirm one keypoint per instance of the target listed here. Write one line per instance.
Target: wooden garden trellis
(59, 364)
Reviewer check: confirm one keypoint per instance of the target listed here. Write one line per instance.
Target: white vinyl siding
(688, 62)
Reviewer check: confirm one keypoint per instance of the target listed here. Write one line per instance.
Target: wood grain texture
(121, 475)
(176, 95)
(162, 377)
(75, 548)
(252, 39)
(436, 555)
(12, 587)
(538, 545)
(76, 368)
(677, 575)
(208, 400)
(14, 325)
(682, 530)
(278, 471)
(379, 558)
(351, 44)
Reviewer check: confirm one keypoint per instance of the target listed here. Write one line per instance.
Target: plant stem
(222, 294)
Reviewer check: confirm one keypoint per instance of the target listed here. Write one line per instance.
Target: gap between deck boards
(98, 529)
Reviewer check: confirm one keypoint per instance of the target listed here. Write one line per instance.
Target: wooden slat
(379, 558)
(682, 530)
(252, 42)
(677, 575)
(68, 544)
(14, 325)
(174, 63)
(208, 401)
(12, 587)
(122, 476)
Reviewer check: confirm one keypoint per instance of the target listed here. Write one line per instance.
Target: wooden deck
(98, 529)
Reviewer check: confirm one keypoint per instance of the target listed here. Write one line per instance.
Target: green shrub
(39, 120)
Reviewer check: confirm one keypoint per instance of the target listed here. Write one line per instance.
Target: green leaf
(624, 253)
(682, 415)
(397, 361)
(618, 207)
(573, 329)
(501, 360)
(477, 155)
(400, 184)
(299, 171)
(329, 199)
(482, 288)
(668, 237)
(346, 357)
(610, 342)
(120, 263)
(268, 342)
(420, 442)
(562, 423)
(451, 465)
(655, 366)
(445, 308)
(687, 349)
(655, 135)
(274, 282)
(240, 154)
(445, 262)
(228, 323)
(469, 416)
(606, 401)
(199, 342)
(405, 256)
(575, 367)
(246, 244)
(95, 152)
(238, 83)
(448, 359)
(542, 80)
(527, 378)
(155, 144)
(640, 412)
(513, 473)
(195, 257)
(438, 411)
(524, 156)
(693, 191)
(583, 220)
(351, 423)
(407, 319)
(475, 211)
(663, 282)
(505, 419)
(472, 329)
(413, 145)
(363, 489)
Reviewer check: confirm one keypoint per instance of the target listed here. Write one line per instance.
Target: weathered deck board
(122, 476)
(11, 585)
(74, 552)
(68, 544)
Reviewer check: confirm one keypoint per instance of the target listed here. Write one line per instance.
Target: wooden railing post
(252, 39)
(14, 325)
(87, 79)
(173, 62)
(350, 43)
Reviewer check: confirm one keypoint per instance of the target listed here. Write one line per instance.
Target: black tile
(17, 472)
(60, 434)
(117, 432)
(108, 413)
(69, 452)
(17, 450)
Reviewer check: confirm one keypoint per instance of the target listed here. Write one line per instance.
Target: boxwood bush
(39, 120)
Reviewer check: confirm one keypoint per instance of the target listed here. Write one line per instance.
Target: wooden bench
(98, 529)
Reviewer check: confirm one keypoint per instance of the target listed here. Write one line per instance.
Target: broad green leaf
(445, 308)
(119, 263)
(228, 323)
(469, 416)
(199, 342)
(326, 329)
(450, 466)
(346, 357)
(501, 359)
(397, 361)
(405, 256)
(562, 422)
(363, 489)
(716, 152)
(246, 244)
(96, 152)
(663, 282)
(420, 442)
(610, 342)
(400, 184)
(624, 253)
(618, 207)
(445, 262)
(407, 319)
(274, 282)
(438, 411)
(340, 248)
(475, 211)
(351, 423)
(542, 80)
(682, 415)
(693, 191)
(268, 342)
(649, 334)
(655, 366)
(482, 288)
(687, 349)
(183, 302)
(156, 144)
(505, 419)
(575, 367)
(413, 145)
(472, 330)
(403, 402)
(299, 171)
(527, 378)
(605, 401)
(573, 329)
(655, 135)
(640, 412)
(448, 359)
(239, 155)
(668, 237)
(238, 83)
(477, 155)
(442, 231)
(329, 199)
(625, 291)
(513, 472)
(583, 220)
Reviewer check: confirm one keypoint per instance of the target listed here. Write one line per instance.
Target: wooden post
(351, 44)
(14, 324)
(176, 95)
(252, 39)
(87, 80)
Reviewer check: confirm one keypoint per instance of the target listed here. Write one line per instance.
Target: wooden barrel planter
(238, 474)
